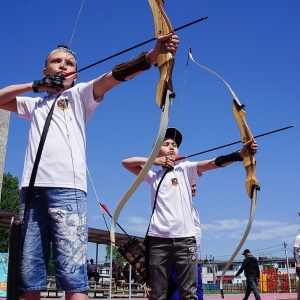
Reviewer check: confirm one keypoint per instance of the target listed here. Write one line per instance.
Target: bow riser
(246, 135)
(165, 82)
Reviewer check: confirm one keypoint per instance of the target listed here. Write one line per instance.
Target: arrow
(103, 207)
(133, 47)
(233, 143)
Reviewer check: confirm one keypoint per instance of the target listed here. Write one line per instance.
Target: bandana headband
(66, 49)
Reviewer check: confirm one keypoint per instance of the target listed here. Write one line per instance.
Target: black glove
(51, 80)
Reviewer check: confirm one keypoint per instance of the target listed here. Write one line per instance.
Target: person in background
(57, 212)
(146, 289)
(198, 242)
(193, 188)
(114, 269)
(134, 277)
(120, 279)
(251, 271)
(297, 260)
(126, 272)
(92, 271)
(173, 293)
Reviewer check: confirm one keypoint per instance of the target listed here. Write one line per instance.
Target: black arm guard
(121, 71)
(220, 160)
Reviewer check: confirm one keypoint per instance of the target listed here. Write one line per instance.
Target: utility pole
(214, 273)
(287, 265)
(4, 124)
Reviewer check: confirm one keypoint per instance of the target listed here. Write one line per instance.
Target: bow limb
(165, 60)
(246, 135)
(164, 95)
(248, 161)
(251, 180)
(155, 150)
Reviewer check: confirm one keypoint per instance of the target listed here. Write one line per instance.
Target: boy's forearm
(134, 161)
(9, 93)
(152, 56)
(206, 165)
(107, 81)
(134, 164)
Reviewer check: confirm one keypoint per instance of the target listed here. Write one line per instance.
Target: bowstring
(87, 169)
(183, 200)
(74, 29)
(182, 91)
(211, 266)
(89, 174)
(96, 195)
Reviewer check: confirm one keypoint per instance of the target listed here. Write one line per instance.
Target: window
(210, 270)
(281, 265)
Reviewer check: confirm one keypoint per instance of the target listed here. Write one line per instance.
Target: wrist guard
(121, 71)
(220, 160)
(52, 80)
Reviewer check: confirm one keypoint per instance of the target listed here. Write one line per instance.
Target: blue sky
(254, 45)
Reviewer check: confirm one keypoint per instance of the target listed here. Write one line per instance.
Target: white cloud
(229, 228)
(136, 225)
(260, 230)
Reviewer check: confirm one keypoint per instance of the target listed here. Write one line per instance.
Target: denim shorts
(57, 217)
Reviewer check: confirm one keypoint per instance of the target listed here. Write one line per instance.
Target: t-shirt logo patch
(62, 103)
(174, 181)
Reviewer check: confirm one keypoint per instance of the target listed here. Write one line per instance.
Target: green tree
(10, 201)
(117, 257)
(270, 267)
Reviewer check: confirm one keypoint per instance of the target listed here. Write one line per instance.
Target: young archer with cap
(172, 228)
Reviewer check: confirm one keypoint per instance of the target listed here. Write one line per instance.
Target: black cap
(174, 134)
(246, 251)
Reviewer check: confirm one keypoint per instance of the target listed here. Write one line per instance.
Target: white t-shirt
(297, 244)
(174, 211)
(63, 161)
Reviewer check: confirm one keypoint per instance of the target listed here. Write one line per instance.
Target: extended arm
(105, 82)
(135, 164)
(223, 161)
